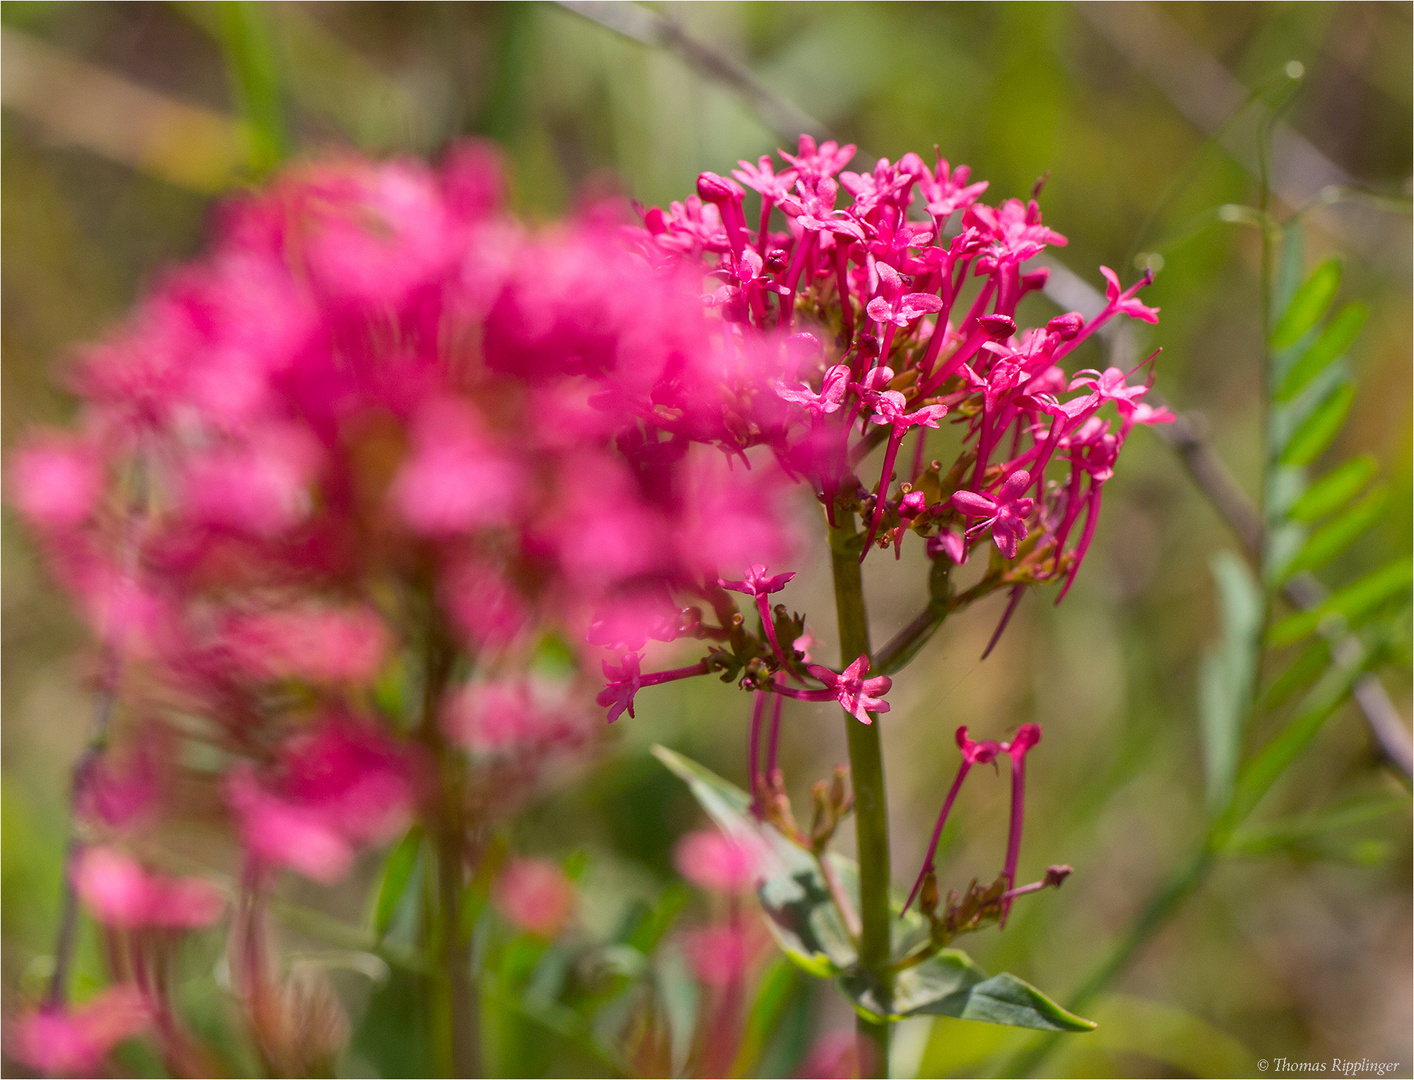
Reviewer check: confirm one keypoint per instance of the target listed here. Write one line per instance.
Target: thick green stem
(871, 816)
(455, 988)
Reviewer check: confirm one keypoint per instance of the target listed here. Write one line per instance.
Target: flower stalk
(871, 817)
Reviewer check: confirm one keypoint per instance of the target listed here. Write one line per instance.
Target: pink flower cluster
(900, 314)
(367, 484)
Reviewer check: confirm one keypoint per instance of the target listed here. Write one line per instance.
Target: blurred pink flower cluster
(361, 488)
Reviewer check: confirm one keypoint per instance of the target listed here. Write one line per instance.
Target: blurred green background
(122, 123)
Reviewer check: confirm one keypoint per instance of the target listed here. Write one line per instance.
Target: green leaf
(397, 872)
(1350, 603)
(1335, 339)
(950, 984)
(1320, 428)
(1318, 706)
(1228, 675)
(799, 912)
(1330, 540)
(255, 75)
(1303, 671)
(1335, 489)
(1301, 832)
(780, 983)
(1308, 305)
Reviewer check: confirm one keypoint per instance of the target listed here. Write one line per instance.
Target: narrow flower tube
(973, 753)
(1027, 737)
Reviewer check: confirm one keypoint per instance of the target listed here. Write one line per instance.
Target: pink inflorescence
(873, 327)
(378, 479)
(898, 291)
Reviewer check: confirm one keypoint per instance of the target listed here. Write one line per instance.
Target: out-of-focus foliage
(122, 121)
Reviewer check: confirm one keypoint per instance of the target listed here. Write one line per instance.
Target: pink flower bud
(535, 895)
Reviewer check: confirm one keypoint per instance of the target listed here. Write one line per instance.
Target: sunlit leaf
(1351, 603)
(1335, 339)
(779, 984)
(1335, 489)
(1319, 429)
(397, 872)
(950, 984)
(1308, 305)
(1227, 675)
(1330, 540)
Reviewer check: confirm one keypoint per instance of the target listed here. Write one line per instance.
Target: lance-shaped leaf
(793, 893)
(1308, 305)
(1351, 603)
(1320, 428)
(1335, 339)
(1227, 675)
(950, 984)
(1331, 539)
(1335, 489)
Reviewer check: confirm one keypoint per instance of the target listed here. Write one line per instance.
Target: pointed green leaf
(397, 872)
(1308, 305)
(800, 914)
(1227, 675)
(1339, 334)
(1335, 489)
(1304, 670)
(950, 984)
(1330, 540)
(1319, 429)
(780, 983)
(1303, 831)
(1350, 603)
(1318, 706)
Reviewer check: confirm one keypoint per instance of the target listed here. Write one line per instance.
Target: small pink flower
(260, 487)
(1005, 513)
(718, 954)
(621, 684)
(717, 862)
(454, 481)
(1123, 302)
(831, 396)
(74, 1042)
(511, 714)
(122, 894)
(286, 833)
(535, 895)
(56, 482)
(857, 695)
(328, 646)
(896, 306)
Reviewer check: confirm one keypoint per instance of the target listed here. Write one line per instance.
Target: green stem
(459, 1006)
(871, 817)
